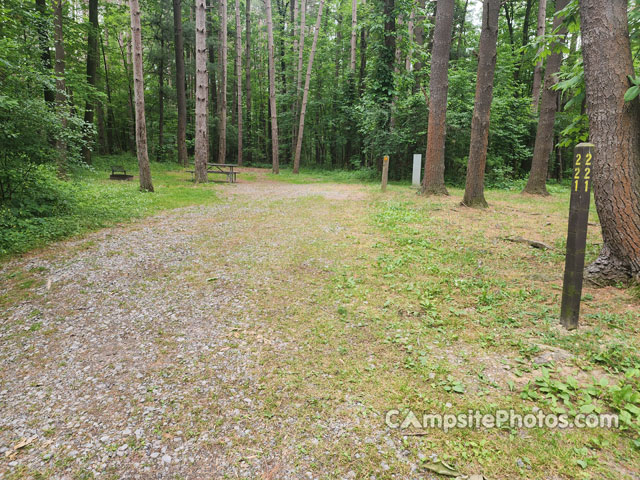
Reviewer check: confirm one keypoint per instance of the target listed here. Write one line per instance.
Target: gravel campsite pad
(241, 340)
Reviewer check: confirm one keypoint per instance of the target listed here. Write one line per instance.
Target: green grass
(92, 201)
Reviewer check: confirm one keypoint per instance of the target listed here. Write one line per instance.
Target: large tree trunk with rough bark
(537, 183)
(615, 130)
(92, 72)
(537, 72)
(433, 180)
(138, 90)
(239, 79)
(305, 94)
(202, 93)
(222, 124)
(474, 189)
(61, 96)
(272, 92)
(181, 95)
(248, 79)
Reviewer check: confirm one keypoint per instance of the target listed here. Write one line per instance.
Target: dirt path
(135, 352)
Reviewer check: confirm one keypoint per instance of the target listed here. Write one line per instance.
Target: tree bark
(45, 53)
(433, 181)
(202, 93)
(60, 97)
(408, 61)
(248, 79)
(537, 71)
(303, 19)
(615, 131)
(461, 30)
(305, 94)
(474, 189)
(110, 117)
(363, 58)
(272, 92)
(354, 33)
(138, 89)
(536, 185)
(222, 132)
(160, 151)
(181, 95)
(92, 72)
(239, 78)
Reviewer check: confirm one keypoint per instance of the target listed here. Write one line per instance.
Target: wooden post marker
(577, 235)
(385, 172)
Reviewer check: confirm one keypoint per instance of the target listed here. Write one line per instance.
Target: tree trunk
(354, 33)
(202, 93)
(45, 53)
(181, 95)
(305, 94)
(433, 181)
(138, 89)
(536, 185)
(474, 189)
(363, 58)
(615, 131)
(461, 30)
(272, 92)
(160, 151)
(248, 79)
(303, 19)
(222, 132)
(537, 72)
(110, 117)
(239, 78)
(60, 97)
(408, 62)
(92, 72)
(132, 122)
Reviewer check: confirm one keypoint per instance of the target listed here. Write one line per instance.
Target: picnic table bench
(220, 168)
(118, 172)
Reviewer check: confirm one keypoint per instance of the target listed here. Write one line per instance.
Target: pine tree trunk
(138, 89)
(537, 183)
(181, 95)
(474, 189)
(45, 54)
(239, 78)
(433, 181)
(354, 33)
(160, 151)
(363, 58)
(272, 92)
(60, 97)
(305, 94)
(303, 19)
(202, 92)
(222, 132)
(408, 61)
(92, 72)
(537, 72)
(248, 80)
(615, 131)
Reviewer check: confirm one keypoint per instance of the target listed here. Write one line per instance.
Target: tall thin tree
(181, 137)
(222, 129)
(474, 189)
(92, 73)
(303, 19)
(354, 33)
(202, 93)
(433, 180)
(543, 147)
(138, 90)
(59, 69)
(614, 128)
(239, 79)
(247, 68)
(45, 53)
(537, 71)
(272, 91)
(305, 94)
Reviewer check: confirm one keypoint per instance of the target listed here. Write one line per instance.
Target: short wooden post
(385, 172)
(417, 169)
(577, 235)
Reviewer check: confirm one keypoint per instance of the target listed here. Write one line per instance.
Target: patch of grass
(95, 202)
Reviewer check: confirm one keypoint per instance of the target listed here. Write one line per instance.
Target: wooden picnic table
(223, 168)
